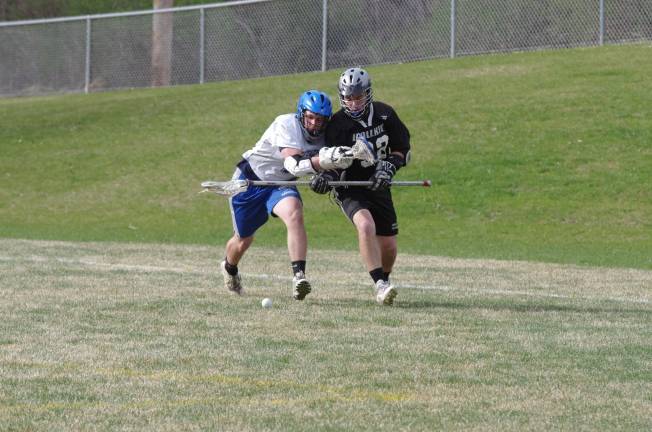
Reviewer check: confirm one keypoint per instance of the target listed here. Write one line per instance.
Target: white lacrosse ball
(266, 303)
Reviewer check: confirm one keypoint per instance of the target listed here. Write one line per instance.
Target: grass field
(524, 274)
(541, 156)
(112, 336)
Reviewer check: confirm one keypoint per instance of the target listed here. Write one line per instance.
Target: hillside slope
(542, 156)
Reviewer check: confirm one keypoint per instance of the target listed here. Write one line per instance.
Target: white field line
(110, 267)
(264, 276)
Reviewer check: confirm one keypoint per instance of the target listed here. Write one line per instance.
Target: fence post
(324, 36)
(601, 36)
(452, 54)
(87, 67)
(201, 45)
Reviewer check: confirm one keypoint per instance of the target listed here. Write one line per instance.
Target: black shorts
(379, 204)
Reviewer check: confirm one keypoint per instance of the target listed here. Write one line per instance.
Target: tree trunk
(4, 13)
(162, 44)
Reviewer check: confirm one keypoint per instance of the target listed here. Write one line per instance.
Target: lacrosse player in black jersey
(370, 209)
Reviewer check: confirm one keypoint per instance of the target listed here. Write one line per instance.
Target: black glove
(382, 178)
(319, 183)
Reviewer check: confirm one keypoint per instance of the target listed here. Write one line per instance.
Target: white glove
(335, 157)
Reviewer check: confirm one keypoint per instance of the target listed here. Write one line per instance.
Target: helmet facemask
(313, 117)
(318, 104)
(355, 92)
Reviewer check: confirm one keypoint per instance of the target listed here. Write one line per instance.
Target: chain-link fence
(255, 38)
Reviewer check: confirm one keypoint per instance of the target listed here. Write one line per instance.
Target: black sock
(386, 276)
(377, 274)
(298, 266)
(230, 268)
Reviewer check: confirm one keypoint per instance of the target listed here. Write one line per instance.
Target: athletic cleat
(232, 283)
(301, 286)
(385, 293)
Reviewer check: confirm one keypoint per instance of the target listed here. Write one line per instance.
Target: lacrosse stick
(234, 187)
(364, 151)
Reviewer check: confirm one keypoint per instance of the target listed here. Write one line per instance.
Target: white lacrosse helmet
(355, 82)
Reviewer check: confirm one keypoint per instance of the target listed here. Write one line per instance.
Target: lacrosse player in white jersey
(291, 147)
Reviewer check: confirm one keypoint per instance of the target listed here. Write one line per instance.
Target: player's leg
(355, 205)
(236, 248)
(362, 210)
(367, 242)
(290, 211)
(286, 205)
(382, 210)
(372, 254)
(248, 213)
(388, 251)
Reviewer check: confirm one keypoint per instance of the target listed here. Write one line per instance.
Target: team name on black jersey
(381, 126)
(368, 134)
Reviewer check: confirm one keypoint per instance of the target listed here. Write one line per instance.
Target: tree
(162, 44)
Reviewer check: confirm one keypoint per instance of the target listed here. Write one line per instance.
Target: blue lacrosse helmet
(316, 102)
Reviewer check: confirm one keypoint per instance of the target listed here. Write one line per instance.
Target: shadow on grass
(343, 302)
(421, 304)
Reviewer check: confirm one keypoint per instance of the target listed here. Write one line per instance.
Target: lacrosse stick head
(227, 188)
(364, 151)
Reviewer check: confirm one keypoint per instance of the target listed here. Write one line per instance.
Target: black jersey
(380, 126)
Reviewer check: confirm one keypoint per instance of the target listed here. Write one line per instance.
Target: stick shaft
(234, 187)
(425, 183)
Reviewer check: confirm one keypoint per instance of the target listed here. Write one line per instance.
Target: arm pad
(298, 166)
(395, 160)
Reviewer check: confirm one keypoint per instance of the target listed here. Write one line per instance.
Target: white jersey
(265, 158)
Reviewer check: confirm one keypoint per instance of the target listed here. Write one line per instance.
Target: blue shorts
(251, 209)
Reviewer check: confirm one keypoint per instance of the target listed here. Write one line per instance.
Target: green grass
(542, 156)
(110, 336)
